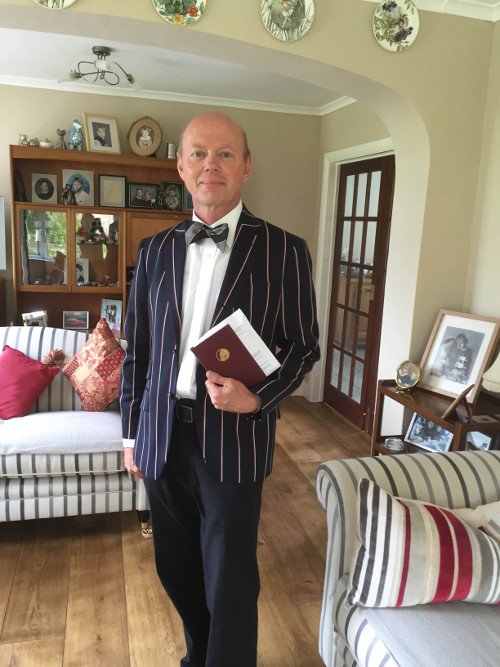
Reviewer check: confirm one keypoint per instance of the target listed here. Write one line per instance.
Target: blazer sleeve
(297, 333)
(136, 360)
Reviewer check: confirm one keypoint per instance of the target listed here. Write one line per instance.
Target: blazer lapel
(174, 256)
(248, 240)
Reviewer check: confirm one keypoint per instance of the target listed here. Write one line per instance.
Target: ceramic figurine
(34, 142)
(46, 143)
(61, 143)
(23, 140)
(75, 136)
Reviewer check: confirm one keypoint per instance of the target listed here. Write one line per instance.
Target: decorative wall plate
(54, 4)
(287, 20)
(395, 24)
(180, 12)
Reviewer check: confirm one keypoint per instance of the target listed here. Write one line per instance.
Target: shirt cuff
(128, 442)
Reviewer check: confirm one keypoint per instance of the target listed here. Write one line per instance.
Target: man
(204, 442)
(138, 198)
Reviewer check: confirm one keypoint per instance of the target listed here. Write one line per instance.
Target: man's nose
(211, 161)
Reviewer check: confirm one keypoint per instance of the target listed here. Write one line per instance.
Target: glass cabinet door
(43, 247)
(97, 250)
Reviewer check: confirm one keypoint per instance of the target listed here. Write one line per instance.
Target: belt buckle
(185, 413)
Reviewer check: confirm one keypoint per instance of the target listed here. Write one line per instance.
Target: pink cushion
(95, 369)
(22, 380)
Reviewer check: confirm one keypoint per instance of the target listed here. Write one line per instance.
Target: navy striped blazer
(269, 278)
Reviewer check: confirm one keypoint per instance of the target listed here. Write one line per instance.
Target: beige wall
(431, 99)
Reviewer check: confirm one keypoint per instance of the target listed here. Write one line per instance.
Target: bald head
(218, 117)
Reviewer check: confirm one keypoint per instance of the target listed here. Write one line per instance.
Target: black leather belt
(184, 410)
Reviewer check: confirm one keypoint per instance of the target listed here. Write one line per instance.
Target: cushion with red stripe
(410, 553)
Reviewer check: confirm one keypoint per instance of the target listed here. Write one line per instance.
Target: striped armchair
(59, 460)
(348, 634)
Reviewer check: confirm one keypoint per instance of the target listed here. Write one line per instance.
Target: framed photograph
(44, 188)
(188, 200)
(145, 136)
(458, 352)
(101, 133)
(75, 319)
(35, 319)
(111, 310)
(79, 184)
(427, 435)
(477, 440)
(142, 195)
(112, 191)
(172, 196)
(407, 374)
(82, 271)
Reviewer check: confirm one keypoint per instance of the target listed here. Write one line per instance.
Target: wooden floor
(82, 591)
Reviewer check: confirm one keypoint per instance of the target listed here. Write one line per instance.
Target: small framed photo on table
(426, 434)
(142, 195)
(476, 440)
(36, 319)
(44, 188)
(101, 133)
(111, 310)
(75, 319)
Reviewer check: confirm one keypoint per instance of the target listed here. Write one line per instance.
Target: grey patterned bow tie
(198, 231)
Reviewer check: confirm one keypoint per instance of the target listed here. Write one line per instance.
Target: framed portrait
(426, 434)
(458, 352)
(36, 319)
(101, 133)
(145, 136)
(477, 440)
(82, 273)
(407, 374)
(173, 196)
(44, 188)
(81, 185)
(112, 191)
(75, 319)
(188, 200)
(111, 310)
(142, 195)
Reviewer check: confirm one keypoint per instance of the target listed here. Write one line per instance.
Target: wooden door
(358, 280)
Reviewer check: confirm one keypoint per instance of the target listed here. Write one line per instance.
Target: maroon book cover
(224, 353)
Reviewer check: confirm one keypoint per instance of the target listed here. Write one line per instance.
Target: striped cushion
(414, 553)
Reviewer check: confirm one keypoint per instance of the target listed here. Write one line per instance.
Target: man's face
(138, 193)
(212, 165)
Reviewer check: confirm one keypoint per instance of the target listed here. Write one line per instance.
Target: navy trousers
(205, 539)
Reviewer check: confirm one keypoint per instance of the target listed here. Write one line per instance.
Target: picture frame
(111, 310)
(36, 319)
(142, 195)
(188, 200)
(101, 133)
(458, 352)
(173, 196)
(481, 441)
(84, 193)
(112, 191)
(145, 136)
(82, 271)
(44, 188)
(75, 319)
(425, 434)
(407, 374)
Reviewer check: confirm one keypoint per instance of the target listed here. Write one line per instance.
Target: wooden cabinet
(432, 406)
(70, 257)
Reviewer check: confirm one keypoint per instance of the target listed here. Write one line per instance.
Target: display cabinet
(432, 406)
(69, 257)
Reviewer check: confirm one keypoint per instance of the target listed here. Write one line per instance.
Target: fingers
(128, 455)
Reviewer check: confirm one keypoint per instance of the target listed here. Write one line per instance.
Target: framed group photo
(142, 195)
(145, 136)
(458, 352)
(101, 133)
(426, 434)
(44, 188)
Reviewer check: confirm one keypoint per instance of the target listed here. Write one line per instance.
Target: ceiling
(161, 72)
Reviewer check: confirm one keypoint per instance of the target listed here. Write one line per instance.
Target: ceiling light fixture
(101, 69)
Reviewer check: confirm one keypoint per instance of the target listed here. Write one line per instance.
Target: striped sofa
(434, 634)
(59, 460)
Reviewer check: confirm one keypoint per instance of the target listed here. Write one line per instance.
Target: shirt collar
(231, 219)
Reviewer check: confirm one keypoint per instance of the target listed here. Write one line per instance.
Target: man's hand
(230, 395)
(128, 454)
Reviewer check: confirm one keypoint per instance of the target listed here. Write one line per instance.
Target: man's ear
(247, 170)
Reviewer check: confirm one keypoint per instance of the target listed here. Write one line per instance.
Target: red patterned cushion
(413, 553)
(95, 369)
(22, 380)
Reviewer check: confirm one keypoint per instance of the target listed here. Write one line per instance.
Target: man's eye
(197, 153)
(226, 154)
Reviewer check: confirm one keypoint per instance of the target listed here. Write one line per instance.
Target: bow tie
(198, 231)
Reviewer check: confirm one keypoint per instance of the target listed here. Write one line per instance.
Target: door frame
(332, 161)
